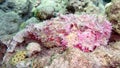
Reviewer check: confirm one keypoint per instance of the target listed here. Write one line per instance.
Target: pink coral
(86, 32)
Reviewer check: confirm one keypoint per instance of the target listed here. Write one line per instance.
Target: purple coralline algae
(85, 31)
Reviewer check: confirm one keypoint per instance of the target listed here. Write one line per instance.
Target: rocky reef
(65, 31)
(113, 13)
(59, 34)
(47, 9)
(87, 6)
(102, 57)
(9, 24)
(50, 8)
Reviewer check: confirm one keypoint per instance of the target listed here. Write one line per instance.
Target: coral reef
(19, 56)
(24, 64)
(9, 23)
(59, 34)
(39, 63)
(61, 63)
(50, 8)
(20, 6)
(67, 30)
(71, 58)
(31, 20)
(87, 6)
(47, 9)
(102, 57)
(113, 14)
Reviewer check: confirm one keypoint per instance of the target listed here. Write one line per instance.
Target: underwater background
(59, 33)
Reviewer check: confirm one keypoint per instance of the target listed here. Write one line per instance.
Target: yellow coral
(19, 56)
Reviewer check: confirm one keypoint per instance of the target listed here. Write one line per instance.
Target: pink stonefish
(85, 31)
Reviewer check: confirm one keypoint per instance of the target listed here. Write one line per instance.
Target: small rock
(33, 47)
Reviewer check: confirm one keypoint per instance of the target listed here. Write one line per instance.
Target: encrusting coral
(85, 32)
(19, 56)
